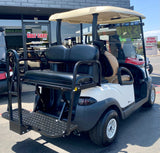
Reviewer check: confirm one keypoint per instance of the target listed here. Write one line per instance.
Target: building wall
(68, 4)
(24, 5)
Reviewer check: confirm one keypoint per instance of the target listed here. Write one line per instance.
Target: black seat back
(83, 53)
(77, 53)
(57, 53)
(72, 55)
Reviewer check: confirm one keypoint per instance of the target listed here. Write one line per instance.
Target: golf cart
(3, 73)
(85, 87)
(34, 50)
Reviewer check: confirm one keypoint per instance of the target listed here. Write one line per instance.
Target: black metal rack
(44, 124)
(22, 120)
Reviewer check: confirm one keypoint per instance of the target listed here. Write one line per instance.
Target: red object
(31, 35)
(134, 61)
(3, 76)
(42, 35)
(39, 35)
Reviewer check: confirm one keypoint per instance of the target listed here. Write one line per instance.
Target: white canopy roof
(107, 15)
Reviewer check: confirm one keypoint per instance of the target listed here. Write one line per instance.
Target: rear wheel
(104, 133)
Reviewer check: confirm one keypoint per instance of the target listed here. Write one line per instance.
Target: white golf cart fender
(87, 117)
(108, 96)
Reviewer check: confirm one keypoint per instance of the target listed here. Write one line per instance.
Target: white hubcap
(152, 96)
(111, 128)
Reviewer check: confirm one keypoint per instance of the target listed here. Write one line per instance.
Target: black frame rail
(12, 58)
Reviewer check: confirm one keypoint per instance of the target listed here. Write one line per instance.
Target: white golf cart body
(122, 95)
(111, 90)
(84, 101)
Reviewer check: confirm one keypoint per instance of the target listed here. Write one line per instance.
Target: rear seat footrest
(44, 124)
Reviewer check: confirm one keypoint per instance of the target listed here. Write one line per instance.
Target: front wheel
(104, 133)
(150, 70)
(152, 97)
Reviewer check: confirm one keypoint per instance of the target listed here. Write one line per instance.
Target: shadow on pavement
(27, 97)
(31, 146)
(3, 98)
(28, 94)
(140, 129)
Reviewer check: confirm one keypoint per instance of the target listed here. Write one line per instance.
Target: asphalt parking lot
(140, 133)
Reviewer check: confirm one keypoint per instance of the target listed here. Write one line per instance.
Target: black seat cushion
(52, 77)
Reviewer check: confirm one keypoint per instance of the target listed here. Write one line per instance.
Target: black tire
(152, 97)
(150, 70)
(100, 135)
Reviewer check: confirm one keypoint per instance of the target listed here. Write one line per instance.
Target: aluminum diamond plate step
(46, 125)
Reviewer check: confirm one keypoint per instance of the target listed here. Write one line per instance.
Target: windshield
(122, 40)
(70, 34)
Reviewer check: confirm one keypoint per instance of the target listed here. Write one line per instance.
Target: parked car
(85, 88)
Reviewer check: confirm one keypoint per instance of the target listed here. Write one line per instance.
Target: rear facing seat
(60, 53)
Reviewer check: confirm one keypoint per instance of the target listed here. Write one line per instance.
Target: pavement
(140, 133)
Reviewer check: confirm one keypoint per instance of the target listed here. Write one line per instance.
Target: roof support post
(58, 32)
(94, 27)
(24, 43)
(81, 32)
(144, 49)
